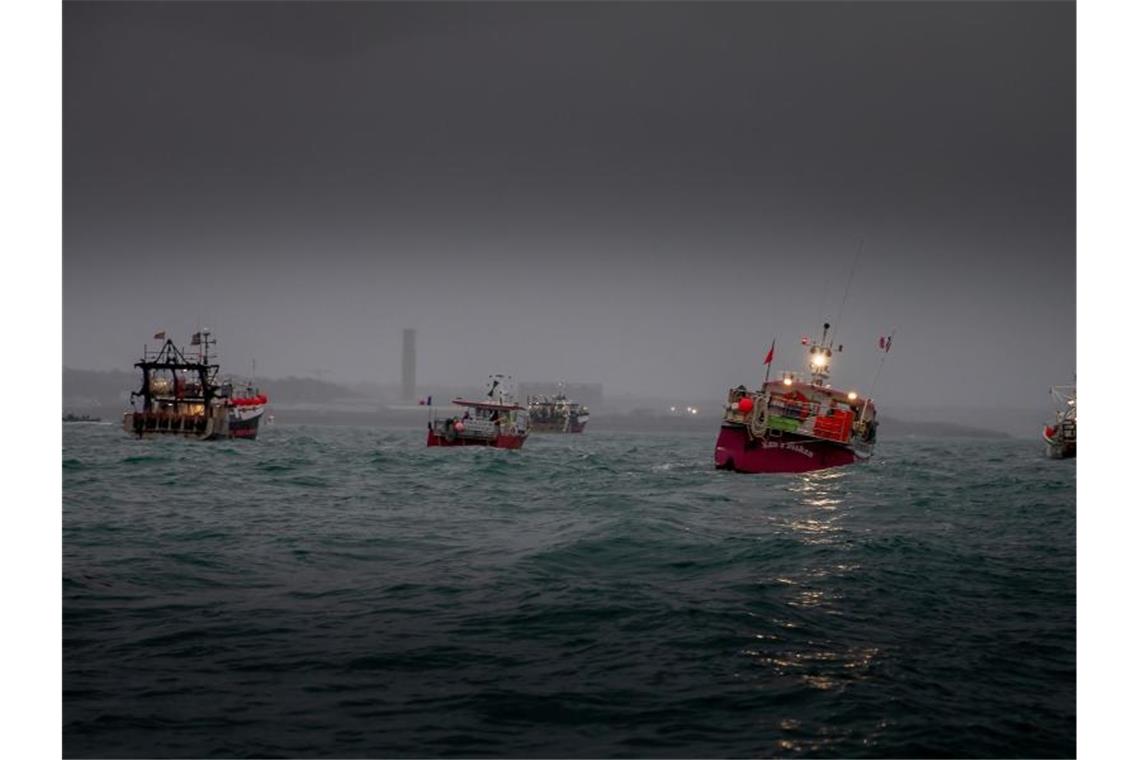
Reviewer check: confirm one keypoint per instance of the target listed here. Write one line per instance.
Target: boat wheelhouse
(181, 395)
(795, 425)
(1061, 437)
(496, 421)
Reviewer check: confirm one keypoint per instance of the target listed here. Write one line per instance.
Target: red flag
(771, 353)
(161, 335)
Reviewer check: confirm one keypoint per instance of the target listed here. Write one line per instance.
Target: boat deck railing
(799, 417)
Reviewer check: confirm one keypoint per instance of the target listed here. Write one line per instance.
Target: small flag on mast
(160, 335)
(196, 339)
(768, 361)
(425, 401)
(885, 343)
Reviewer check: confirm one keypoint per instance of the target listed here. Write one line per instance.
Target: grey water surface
(345, 592)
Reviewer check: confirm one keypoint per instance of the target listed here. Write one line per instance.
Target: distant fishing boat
(557, 414)
(69, 417)
(796, 425)
(181, 395)
(496, 421)
(1061, 436)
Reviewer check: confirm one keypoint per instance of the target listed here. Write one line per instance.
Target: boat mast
(206, 371)
(885, 347)
(847, 290)
(819, 357)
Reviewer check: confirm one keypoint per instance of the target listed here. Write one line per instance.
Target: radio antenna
(847, 290)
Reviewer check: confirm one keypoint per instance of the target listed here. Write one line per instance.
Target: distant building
(408, 381)
(589, 394)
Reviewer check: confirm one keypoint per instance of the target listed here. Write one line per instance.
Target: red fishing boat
(496, 421)
(796, 425)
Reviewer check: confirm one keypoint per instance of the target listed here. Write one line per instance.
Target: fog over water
(641, 195)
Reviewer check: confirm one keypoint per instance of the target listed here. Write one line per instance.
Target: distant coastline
(106, 395)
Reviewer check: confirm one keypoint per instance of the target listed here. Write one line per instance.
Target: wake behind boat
(181, 395)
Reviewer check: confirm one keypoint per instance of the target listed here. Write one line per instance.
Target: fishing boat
(556, 414)
(496, 421)
(182, 395)
(795, 424)
(69, 417)
(1061, 436)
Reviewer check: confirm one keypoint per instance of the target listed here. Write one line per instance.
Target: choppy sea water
(349, 592)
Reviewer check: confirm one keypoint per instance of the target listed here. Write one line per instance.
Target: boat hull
(497, 442)
(1059, 447)
(791, 453)
(216, 426)
(244, 423)
(1054, 451)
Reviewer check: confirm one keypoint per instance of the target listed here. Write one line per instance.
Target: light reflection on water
(803, 653)
(818, 507)
(817, 666)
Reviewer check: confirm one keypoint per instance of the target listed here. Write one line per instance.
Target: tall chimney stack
(408, 390)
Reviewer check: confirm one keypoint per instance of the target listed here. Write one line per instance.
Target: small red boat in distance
(497, 422)
(793, 425)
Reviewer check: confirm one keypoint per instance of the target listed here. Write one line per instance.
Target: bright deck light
(818, 360)
(787, 381)
(852, 396)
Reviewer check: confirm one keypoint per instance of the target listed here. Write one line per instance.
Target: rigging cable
(847, 290)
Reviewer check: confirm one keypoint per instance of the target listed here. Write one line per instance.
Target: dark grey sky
(637, 194)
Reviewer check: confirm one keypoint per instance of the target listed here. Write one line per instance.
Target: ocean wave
(347, 591)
